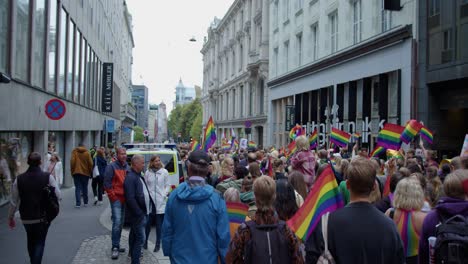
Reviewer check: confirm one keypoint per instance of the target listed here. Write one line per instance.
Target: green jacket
(224, 185)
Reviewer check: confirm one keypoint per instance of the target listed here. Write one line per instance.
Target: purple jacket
(447, 206)
(304, 161)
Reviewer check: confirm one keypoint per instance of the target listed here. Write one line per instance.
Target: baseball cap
(199, 157)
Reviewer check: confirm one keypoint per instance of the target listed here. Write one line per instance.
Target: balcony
(127, 113)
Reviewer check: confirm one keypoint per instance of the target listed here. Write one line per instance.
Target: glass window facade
(22, 40)
(52, 45)
(76, 76)
(4, 21)
(71, 52)
(39, 35)
(62, 53)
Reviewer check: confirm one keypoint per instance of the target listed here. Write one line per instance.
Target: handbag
(95, 170)
(326, 257)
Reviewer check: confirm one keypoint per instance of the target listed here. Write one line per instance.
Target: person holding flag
(374, 236)
(304, 160)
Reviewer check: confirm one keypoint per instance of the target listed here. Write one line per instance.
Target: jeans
(159, 222)
(36, 234)
(81, 187)
(136, 238)
(97, 185)
(117, 210)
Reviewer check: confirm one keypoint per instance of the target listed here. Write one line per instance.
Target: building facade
(140, 101)
(442, 94)
(235, 60)
(152, 122)
(184, 94)
(346, 63)
(56, 50)
(162, 134)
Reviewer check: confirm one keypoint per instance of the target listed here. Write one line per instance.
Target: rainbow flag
(237, 212)
(426, 134)
(377, 152)
(389, 136)
(340, 138)
(408, 234)
(251, 144)
(323, 197)
(313, 139)
(209, 138)
(412, 129)
(226, 146)
(194, 145)
(296, 131)
(391, 153)
(289, 151)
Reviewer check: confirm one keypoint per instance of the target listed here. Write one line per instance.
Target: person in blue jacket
(196, 225)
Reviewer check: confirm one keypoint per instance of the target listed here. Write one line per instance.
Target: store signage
(290, 117)
(107, 86)
(110, 126)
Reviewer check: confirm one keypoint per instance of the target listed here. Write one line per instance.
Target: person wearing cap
(195, 212)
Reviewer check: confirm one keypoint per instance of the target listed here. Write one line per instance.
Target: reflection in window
(76, 85)
(52, 44)
(91, 79)
(22, 39)
(83, 70)
(39, 44)
(4, 19)
(71, 30)
(88, 74)
(62, 53)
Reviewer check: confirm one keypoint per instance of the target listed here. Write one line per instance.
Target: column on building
(70, 144)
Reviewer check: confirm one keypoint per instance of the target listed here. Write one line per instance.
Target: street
(75, 236)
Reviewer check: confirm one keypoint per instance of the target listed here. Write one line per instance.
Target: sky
(163, 53)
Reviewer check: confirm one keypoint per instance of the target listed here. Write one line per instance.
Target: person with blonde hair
(454, 202)
(283, 248)
(55, 168)
(232, 195)
(227, 169)
(304, 160)
(407, 215)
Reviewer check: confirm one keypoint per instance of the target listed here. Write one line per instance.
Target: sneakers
(85, 205)
(99, 203)
(157, 248)
(115, 253)
(122, 250)
(77, 206)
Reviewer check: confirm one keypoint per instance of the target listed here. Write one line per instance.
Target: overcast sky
(163, 52)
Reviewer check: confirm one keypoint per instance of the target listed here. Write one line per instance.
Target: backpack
(49, 202)
(452, 240)
(267, 244)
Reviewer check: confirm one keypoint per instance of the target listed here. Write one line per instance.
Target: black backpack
(452, 240)
(267, 244)
(49, 202)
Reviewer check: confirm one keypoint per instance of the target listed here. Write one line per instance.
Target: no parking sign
(55, 109)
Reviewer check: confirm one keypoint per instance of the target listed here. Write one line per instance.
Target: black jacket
(30, 189)
(102, 164)
(134, 196)
(358, 233)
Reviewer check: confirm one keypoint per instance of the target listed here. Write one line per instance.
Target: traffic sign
(146, 133)
(55, 109)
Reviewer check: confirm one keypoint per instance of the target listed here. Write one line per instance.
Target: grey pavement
(75, 236)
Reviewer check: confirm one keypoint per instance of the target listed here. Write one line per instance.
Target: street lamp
(4, 78)
(192, 39)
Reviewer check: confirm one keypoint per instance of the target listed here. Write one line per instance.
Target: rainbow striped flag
(296, 131)
(289, 151)
(340, 138)
(408, 234)
(411, 130)
(389, 136)
(209, 138)
(426, 134)
(194, 145)
(391, 153)
(251, 144)
(377, 152)
(226, 146)
(323, 197)
(237, 212)
(313, 139)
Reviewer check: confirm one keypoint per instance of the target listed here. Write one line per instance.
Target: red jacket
(114, 178)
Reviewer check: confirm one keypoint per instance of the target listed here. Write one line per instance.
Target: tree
(173, 123)
(138, 134)
(182, 120)
(196, 130)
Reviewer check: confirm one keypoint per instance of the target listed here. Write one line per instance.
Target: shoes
(77, 206)
(156, 248)
(85, 205)
(99, 203)
(145, 245)
(122, 250)
(95, 203)
(115, 253)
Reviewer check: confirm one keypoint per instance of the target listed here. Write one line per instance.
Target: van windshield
(166, 159)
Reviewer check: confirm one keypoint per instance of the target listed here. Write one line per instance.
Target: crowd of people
(393, 208)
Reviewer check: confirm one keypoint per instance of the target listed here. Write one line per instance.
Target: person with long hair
(157, 180)
(285, 203)
(227, 169)
(55, 168)
(407, 215)
(296, 179)
(97, 183)
(304, 160)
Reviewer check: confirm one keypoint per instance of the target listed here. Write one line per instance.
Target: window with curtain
(22, 39)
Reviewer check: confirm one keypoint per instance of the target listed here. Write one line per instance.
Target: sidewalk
(75, 236)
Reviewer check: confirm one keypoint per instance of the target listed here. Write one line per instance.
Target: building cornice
(377, 43)
(259, 119)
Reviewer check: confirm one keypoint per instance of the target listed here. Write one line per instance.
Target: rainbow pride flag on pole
(194, 145)
(226, 146)
(340, 138)
(411, 130)
(289, 151)
(296, 131)
(389, 136)
(313, 139)
(251, 144)
(237, 212)
(426, 134)
(377, 152)
(209, 138)
(323, 197)
(391, 153)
